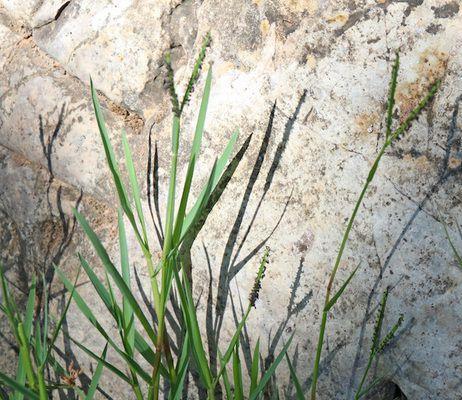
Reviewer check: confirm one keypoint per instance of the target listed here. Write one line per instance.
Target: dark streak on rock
(433, 28)
(448, 10)
(61, 10)
(375, 40)
(352, 21)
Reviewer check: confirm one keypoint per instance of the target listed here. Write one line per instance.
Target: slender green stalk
(363, 379)
(41, 385)
(168, 243)
(333, 274)
(24, 351)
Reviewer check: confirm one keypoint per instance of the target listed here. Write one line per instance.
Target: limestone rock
(309, 80)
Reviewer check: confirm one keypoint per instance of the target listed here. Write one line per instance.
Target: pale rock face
(35, 13)
(120, 45)
(326, 64)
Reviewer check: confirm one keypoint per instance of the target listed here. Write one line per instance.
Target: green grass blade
(20, 379)
(233, 343)
(25, 354)
(254, 369)
(108, 299)
(192, 326)
(213, 180)
(270, 371)
(125, 266)
(45, 311)
(9, 307)
(134, 184)
(112, 271)
(11, 383)
(194, 155)
(337, 295)
(59, 324)
(181, 370)
(112, 162)
(371, 386)
(226, 382)
(96, 376)
(86, 311)
(101, 290)
(178, 391)
(39, 344)
(28, 318)
(295, 381)
(132, 364)
(118, 315)
(101, 360)
(169, 220)
(145, 350)
(237, 375)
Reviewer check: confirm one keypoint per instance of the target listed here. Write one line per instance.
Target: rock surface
(324, 67)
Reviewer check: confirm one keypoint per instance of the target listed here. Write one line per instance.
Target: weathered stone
(327, 66)
(47, 116)
(121, 46)
(35, 13)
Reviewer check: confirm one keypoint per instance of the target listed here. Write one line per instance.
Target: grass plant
(36, 343)
(156, 361)
(168, 278)
(391, 136)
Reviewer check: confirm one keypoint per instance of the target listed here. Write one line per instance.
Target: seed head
(390, 335)
(255, 293)
(171, 85)
(73, 375)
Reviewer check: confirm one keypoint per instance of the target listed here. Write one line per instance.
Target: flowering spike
(254, 294)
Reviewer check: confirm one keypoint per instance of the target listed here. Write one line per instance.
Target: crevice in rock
(58, 14)
(132, 119)
(387, 390)
(172, 10)
(13, 25)
(61, 10)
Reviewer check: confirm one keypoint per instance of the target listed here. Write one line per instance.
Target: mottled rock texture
(323, 67)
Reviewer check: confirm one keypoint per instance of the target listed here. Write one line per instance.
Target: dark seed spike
(390, 335)
(255, 292)
(171, 86)
(196, 71)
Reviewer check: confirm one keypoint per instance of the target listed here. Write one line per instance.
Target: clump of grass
(168, 279)
(391, 136)
(36, 340)
(167, 358)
